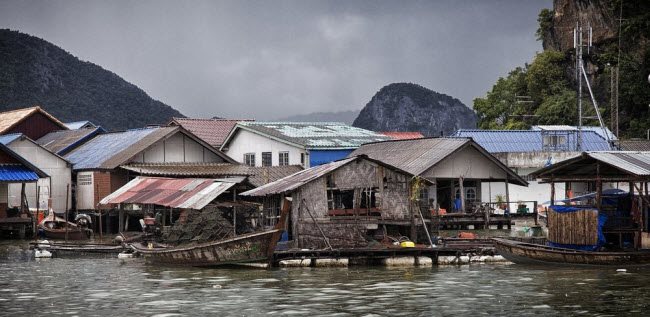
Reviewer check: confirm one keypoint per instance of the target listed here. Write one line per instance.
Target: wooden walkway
(451, 247)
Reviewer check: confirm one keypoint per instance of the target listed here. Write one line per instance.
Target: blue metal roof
(16, 173)
(8, 138)
(93, 153)
(499, 141)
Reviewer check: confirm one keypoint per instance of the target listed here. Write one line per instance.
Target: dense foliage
(36, 72)
(550, 88)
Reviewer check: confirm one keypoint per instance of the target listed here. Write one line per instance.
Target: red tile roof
(403, 135)
(212, 131)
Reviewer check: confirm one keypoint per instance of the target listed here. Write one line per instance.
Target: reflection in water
(114, 287)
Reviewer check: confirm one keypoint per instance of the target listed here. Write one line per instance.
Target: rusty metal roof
(193, 193)
(395, 135)
(418, 155)
(212, 131)
(257, 176)
(296, 180)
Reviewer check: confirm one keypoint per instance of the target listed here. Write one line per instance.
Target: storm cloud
(270, 59)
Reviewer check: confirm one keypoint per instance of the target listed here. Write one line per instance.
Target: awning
(16, 173)
(193, 193)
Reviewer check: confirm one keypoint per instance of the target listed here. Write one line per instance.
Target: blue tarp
(602, 218)
(320, 157)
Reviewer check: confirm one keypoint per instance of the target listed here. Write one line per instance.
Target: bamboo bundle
(578, 227)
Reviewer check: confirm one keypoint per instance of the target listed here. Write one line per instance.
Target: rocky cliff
(411, 107)
(36, 72)
(602, 60)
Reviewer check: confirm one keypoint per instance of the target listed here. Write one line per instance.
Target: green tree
(496, 110)
(546, 76)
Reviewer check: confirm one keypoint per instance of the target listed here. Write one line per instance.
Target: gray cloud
(268, 59)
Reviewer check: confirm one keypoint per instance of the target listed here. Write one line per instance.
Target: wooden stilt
(67, 189)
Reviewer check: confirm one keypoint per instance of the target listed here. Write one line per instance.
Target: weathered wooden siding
(393, 201)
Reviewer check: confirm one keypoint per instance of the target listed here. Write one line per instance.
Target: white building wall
(53, 187)
(177, 148)
(249, 142)
(469, 163)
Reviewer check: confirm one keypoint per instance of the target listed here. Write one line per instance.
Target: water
(104, 287)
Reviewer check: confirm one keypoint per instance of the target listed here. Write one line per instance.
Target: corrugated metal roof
(193, 193)
(64, 141)
(16, 173)
(636, 163)
(80, 124)
(296, 180)
(313, 135)
(8, 138)
(403, 135)
(502, 141)
(212, 131)
(96, 152)
(257, 176)
(12, 158)
(413, 156)
(597, 129)
(9, 119)
(418, 155)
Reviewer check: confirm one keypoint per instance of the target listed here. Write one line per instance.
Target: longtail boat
(252, 247)
(530, 253)
(55, 228)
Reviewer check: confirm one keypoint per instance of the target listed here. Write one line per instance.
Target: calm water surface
(102, 287)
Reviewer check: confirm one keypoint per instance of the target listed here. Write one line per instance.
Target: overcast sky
(269, 59)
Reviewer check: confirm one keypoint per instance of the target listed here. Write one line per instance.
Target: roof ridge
(303, 122)
(212, 119)
(32, 108)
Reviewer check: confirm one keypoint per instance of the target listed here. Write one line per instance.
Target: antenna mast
(580, 72)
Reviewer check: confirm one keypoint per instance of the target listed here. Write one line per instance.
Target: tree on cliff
(549, 80)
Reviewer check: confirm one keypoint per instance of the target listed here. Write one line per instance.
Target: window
(470, 193)
(302, 159)
(249, 159)
(267, 159)
(554, 141)
(424, 194)
(368, 198)
(85, 179)
(283, 158)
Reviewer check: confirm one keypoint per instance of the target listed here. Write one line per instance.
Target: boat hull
(528, 253)
(59, 234)
(245, 248)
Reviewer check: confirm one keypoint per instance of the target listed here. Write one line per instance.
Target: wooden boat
(55, 228)
(252, 247)
(530, 253)
(79, 249)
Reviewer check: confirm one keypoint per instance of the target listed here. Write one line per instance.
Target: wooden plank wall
(580, 227)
